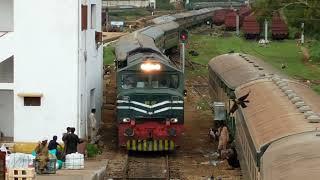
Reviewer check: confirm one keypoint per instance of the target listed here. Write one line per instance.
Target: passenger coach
(276, 135)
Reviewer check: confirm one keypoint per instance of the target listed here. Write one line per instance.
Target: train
(276, 133)
(150, 87)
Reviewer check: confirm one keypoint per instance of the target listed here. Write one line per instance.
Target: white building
(50, 67)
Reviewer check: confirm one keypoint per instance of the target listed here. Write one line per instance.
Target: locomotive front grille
(150, 145)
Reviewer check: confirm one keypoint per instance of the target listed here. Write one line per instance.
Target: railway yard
(195, 159)
(195, 95)
(196, 156)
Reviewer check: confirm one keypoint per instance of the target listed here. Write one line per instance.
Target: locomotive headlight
(126, 120)
(174, 120)
(150, 67)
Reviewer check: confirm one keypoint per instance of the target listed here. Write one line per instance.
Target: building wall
(6, 112)
(6, 15)
(91, 65)
(46, 58)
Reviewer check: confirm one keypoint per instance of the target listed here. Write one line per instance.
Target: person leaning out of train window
(223, 137)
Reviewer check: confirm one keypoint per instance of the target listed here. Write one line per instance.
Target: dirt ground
(196, 156)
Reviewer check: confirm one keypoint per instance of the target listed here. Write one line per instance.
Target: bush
(315, 51)
(164, 4)
(92, 150)
(293, 32)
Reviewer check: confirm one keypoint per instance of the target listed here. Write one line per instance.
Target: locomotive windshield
(130, 81)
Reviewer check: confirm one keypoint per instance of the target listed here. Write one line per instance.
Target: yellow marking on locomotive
(171, 145)
(139, 145)
(150, 145)
(166, 145)
(144, 145)
(128, 144)
(134, 148)
(155, 145)
(160, 145)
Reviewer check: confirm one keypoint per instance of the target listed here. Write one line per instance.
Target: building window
(32, 101)
(84, 17)
(93, 16)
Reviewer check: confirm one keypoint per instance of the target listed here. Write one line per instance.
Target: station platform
(94, 170)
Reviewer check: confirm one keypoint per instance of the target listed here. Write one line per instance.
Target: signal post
(183, 39)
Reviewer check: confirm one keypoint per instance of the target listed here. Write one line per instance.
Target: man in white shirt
(93, 125)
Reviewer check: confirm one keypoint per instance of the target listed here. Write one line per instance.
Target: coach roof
(271, 115)
(234, 70)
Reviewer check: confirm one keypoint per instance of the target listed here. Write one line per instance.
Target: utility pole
(183, 39)
(183, 56)
(238, 24)
(266, 30)
(302, 33)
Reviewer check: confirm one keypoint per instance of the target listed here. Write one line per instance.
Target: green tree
(296, 11)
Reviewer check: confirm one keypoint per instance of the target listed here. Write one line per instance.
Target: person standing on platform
(93, 126)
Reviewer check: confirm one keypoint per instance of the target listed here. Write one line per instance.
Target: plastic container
(74, 161)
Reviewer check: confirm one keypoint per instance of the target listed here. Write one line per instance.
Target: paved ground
(94, 170)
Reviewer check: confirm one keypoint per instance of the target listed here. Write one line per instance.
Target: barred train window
(32, 101)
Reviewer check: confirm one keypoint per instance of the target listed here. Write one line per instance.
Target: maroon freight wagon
(244, 11)
(251, 27)
(231, 21)
(219, 16)
(279, 28)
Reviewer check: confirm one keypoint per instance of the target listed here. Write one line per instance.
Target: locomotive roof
(132, 42)
(140, 57)
(271, 115)
(233, 70)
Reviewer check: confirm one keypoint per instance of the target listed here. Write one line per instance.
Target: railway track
(144, 167)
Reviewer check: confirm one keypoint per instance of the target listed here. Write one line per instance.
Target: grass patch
(108, 55)
(92, 150)
(315, 51)
(316, 88)
(129, 14)
(165, 5)
(277, 53)
(203, 105)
